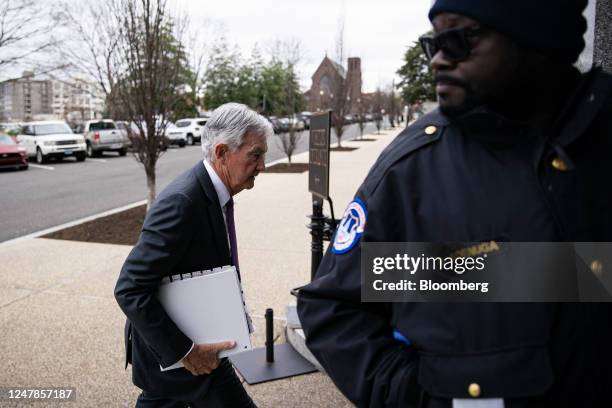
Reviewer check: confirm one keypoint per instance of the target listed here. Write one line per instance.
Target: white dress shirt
(222, 193)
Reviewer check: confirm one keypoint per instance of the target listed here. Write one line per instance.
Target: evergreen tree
(221, 76)
(417, 82)
(271, 88)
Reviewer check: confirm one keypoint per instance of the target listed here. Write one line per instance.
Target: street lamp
(322, 94)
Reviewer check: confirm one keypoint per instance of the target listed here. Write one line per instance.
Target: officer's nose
(439, 62)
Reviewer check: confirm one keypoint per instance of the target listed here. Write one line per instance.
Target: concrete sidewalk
(61, 326)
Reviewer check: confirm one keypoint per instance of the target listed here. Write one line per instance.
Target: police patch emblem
(351, 227)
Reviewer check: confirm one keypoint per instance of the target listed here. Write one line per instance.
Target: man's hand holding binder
(204, 358)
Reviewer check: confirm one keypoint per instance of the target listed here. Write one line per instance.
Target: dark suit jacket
(183, 232)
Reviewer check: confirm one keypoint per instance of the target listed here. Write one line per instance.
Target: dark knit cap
(552, 27)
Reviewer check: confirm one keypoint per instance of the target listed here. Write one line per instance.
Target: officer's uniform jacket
(481, 179)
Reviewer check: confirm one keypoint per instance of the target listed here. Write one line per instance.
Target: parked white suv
(192, 128)
(174, 135)
(51, 139)
(102, 135)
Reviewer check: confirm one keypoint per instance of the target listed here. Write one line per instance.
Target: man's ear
(220, 152)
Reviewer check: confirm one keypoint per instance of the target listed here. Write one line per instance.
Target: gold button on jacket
(430, 130)
(474, 390)
(559, 164)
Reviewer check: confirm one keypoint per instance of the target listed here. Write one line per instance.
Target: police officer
(519, 150)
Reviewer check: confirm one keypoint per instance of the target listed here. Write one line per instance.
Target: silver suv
(103, 136)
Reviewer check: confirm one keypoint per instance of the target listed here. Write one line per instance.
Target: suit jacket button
(597, 268)
(474, 390)
(430, 130)
(559, 164)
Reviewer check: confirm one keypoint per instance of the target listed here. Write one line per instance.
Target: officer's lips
(443, 87)
(446, 84)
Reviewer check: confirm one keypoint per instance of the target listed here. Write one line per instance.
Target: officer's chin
(453, 104)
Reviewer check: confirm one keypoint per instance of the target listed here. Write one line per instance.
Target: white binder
(208, 307)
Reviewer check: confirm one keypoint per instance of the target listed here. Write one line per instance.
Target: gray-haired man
(190, 227)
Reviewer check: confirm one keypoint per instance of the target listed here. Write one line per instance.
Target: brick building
(331, 78)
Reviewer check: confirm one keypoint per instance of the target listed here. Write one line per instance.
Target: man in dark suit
(190, 227)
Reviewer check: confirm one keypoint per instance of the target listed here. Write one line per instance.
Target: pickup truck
(103, 136)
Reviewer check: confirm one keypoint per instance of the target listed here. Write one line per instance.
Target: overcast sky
(377, 31)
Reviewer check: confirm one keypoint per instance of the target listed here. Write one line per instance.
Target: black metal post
(316, 230)
(269, 336)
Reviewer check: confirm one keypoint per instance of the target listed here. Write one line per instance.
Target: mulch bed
(343, 149)
(122, 228)
(287, 168)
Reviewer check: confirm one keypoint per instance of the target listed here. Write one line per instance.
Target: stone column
(585, 60)
(602, 49)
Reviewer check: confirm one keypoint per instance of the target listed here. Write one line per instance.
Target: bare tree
(26, 32)
(340, 101)
(200, 41)
(92, 38)
(288, 50)
(377, 108)
(289, 141)
(90, 44)
(392, 105)
(148, 87)
(289, 54)
(133, 50)
(361, 118)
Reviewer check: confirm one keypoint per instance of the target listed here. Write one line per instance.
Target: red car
(11, 154)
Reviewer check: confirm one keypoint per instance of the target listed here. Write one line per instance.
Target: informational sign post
(318, 182)
(318, 163)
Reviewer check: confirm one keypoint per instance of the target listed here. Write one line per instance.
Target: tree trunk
(151, 185)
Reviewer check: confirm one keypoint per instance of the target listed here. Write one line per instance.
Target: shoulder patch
(351, 227)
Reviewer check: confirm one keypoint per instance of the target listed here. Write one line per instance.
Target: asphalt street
(59, 192)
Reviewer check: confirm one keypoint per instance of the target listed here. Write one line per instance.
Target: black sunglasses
(454, 42)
